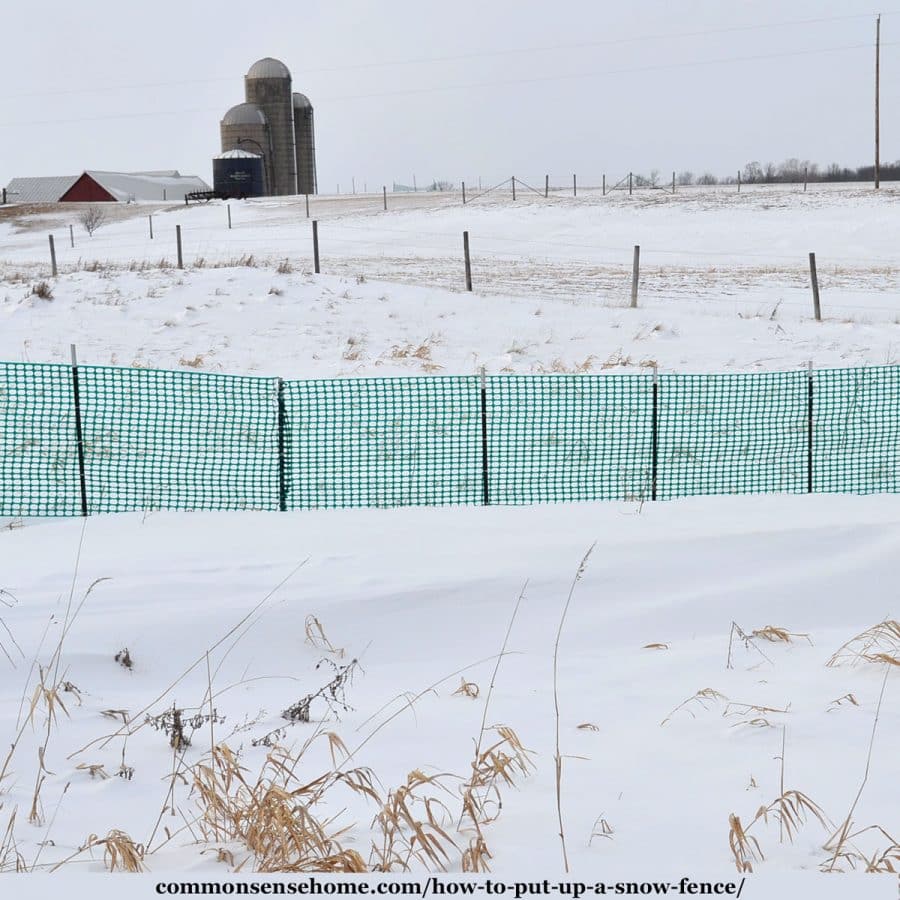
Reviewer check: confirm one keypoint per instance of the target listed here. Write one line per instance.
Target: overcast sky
(451, 90)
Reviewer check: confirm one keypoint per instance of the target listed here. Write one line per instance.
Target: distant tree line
(791, 171)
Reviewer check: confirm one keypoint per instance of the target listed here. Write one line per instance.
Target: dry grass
(467, 689)
(878, 644)
(579, 574)
(413, 827)
(11, 859)
(791, 810)
(776, 635)
(120, 852)
(704, 698)
(195, 363)
(270, 815)
(316, 637)
(42, 289)
(502, 760)
(354, 349)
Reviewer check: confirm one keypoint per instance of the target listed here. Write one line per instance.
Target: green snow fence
(193, 441)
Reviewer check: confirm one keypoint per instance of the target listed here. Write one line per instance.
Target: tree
(707, 178)
(753, 173)
(92, 218)
(685, 178)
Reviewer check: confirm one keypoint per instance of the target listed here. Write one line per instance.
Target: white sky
(603, 87)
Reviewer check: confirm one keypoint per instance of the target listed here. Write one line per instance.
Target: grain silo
(267, 85)
(245, 127)
(305, 144)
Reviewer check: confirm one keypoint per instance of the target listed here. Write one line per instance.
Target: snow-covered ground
(422, 598)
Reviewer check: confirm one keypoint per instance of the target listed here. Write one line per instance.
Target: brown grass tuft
(878, 644)
(467, 689)
(413, 826)
(270, 815)
(316, 637)
(776, 635)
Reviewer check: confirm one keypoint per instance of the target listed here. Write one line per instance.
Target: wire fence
(96, 439)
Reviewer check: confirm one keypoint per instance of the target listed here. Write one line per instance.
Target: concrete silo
(245, 127)
(305, 144)
(267, 85)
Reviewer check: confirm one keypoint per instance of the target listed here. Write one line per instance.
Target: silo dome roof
(237, 154)
(244, 114)
(301, 101)
(268, 68)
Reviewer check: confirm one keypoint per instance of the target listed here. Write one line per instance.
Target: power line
(598, 74)
(483, 84)
(427, 60)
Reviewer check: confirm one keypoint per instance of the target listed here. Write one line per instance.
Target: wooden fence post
(384, 193)
(307, 206)
(228, 207)
(630, 183)
(739, 181)
(635, 274)
(315, 232)
(814, 279)
(514, 186)
(178, 242)
(150, 219)
(53, 269)
(468, 261)
(604, 184)
(546, 185)
(574, 186)
(71, 237)
(464, 193)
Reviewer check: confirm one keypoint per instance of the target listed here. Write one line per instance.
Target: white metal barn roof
(137, 186)
(39, 190)
(124, 186)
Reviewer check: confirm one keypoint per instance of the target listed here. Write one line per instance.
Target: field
(703, 687)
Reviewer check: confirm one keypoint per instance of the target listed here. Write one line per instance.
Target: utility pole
(877, 101)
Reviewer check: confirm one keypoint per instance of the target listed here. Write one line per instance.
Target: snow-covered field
(670, 720)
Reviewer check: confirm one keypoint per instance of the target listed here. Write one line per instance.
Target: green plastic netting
(190, 441)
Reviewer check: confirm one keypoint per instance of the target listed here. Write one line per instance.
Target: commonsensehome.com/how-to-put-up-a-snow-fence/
(78, 440)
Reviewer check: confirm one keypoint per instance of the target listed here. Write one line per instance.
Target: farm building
(277, 126)
(94, 186)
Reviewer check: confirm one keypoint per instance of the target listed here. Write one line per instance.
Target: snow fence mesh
(194, 441)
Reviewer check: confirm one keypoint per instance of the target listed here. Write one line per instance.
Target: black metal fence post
(654, 444)
(485, 491)
(282, 482)
(79, 435)
(809, 429)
